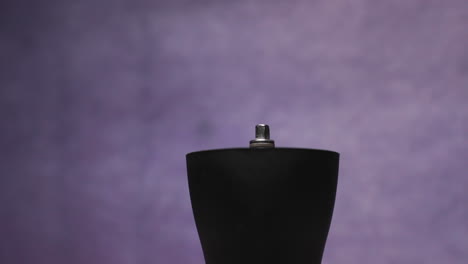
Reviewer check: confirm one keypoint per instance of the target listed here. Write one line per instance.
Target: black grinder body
(271, 205)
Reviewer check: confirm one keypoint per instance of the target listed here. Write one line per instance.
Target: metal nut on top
(262, 137)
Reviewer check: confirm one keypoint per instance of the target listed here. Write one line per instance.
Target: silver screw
(262, 137)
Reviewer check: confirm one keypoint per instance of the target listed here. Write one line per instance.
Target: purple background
(101, 100)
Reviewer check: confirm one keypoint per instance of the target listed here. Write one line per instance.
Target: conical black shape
(263, 205)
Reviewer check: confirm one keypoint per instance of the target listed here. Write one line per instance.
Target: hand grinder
(263, 204)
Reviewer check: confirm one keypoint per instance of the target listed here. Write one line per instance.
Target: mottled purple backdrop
(101, 100)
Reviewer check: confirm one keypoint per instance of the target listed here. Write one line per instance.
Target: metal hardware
(262, 137)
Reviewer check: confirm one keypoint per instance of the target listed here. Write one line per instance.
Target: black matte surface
(263, 205)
